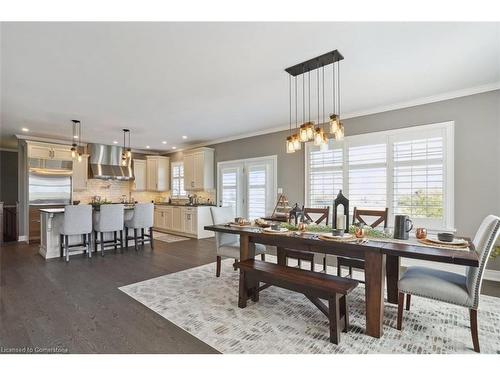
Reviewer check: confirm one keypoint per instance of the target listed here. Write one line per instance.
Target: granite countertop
(184, 205)
(61, 210)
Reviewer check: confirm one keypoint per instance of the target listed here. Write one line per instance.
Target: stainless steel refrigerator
(49, 182)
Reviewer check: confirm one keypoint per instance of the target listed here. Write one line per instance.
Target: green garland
(495, 252)
(370, 232)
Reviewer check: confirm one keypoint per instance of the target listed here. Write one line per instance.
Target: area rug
(286, 322)
(166, 237)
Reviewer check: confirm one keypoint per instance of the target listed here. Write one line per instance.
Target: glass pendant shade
(73, 152)
(289, 145)
(324, 144)
(310, 130)
(318, 136)
(339, 135)
(303, 133)
(296, 142)
(334, 123)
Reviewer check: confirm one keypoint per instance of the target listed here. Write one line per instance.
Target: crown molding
(411, 103)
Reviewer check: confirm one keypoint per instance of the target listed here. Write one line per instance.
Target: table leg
(247, 248)
(374, 299)
(392, 276)
(280, 254)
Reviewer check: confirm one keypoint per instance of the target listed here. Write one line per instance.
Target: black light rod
(315, 63)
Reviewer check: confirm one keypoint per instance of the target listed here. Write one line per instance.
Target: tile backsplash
(113, 190)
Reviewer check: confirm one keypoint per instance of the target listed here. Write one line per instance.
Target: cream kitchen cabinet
(199, 169)
(158, 173)
(49, 151)
(140, 175)
(80, 173)
(182, 220)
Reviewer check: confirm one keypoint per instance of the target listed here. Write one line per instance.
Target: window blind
(178, 180)
(229, 188)
(256, 192)
(325, 177)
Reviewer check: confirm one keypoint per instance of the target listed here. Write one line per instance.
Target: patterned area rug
(166, 237)
(286, 322)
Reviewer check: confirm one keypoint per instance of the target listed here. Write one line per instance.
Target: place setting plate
(347, 237)
(275, 231)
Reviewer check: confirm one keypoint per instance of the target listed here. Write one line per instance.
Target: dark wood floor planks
(78, 305)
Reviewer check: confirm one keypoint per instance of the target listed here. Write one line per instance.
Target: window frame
(445, 129)
(172, 178)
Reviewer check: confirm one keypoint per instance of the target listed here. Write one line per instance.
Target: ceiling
(209, 81)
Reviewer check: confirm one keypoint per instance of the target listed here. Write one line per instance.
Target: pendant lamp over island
(324, 130)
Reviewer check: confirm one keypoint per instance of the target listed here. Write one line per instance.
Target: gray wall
(8, 177)
(477, 155)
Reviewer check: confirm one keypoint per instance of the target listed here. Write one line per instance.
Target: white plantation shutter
(257, 180)
(368, 176)
(418, 179)
(229, 187)
(324, 176)
(409, 170)
(178, 180)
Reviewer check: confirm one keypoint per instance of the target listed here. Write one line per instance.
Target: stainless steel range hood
(105, 163)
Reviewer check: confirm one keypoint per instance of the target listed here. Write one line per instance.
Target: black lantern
(297, 213)
(341, 200)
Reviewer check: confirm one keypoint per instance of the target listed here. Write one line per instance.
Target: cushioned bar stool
(109, 219)
(77, 221)
(142, 219)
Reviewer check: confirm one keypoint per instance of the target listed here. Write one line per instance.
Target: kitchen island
(51, 222)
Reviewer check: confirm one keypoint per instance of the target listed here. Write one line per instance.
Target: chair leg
(324, 263)
(101, 237)
(350, 273)
(263, 257)
(408, 301)
(89, 244)
(142, 236)
(135, 239)
(401, 297)
(473, 329)
(84, 241)
(61, 245)
(126, 238)
(339, 269)
(299, 262)
(121, 241)
(333, 315)
(151, 238)
(95, 241)
(66, 247)
(217, 270)
(115, 239)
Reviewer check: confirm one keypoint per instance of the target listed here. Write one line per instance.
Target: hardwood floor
(78, 307)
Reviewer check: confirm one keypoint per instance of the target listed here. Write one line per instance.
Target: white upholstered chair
(457, 289)
(77, 221)
(227, 244)
(142, 219)
(109, 218)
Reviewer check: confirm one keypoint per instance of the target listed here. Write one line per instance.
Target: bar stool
(108, 219)
(141, 219)
(77, 221)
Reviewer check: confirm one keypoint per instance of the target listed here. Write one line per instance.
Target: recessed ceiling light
(173, 147)
(184, 137)
(75, 136)
(25, 129)
(115, 142)
(164, 142)
(147, 146)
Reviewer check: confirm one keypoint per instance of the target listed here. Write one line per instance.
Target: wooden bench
(313, 285)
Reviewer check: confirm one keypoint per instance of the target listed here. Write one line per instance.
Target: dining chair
(109, 219)
(228, 245)
(324, 215)
(457, 289)
(142, 219)
(359, 216)
(77, 221)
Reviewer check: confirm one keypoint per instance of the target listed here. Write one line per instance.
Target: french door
(248, 185)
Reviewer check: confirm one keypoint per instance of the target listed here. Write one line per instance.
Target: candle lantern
(297, 214)
(341, 200)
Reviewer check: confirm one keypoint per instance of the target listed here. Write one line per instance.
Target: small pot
(421, 233)
(359, 232)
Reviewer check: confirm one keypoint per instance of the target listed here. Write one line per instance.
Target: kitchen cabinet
(158, 173)
(140, 175)
(199, 169)
(49, 151)
(80, 173)
(182, 220)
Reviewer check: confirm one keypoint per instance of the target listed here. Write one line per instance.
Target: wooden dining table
(382, 261)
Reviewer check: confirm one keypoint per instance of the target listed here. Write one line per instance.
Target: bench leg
(401, 298)
(242, 297)
(255, 291)
(344, 312)
(218, 264)
(334, 314)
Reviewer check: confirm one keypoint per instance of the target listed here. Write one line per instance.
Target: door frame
(272, 158)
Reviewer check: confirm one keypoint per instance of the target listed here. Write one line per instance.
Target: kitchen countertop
(61, 210)
(184, 205)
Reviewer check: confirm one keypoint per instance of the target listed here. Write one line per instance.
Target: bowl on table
(445, 237)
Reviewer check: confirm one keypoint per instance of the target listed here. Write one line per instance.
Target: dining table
(382, 259)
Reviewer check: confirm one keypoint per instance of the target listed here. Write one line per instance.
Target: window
(178, 180)
(408, 170)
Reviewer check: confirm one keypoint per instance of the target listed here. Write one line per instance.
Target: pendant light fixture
(127, 151)
(289, 140)
(76, 146)
(307, 130)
